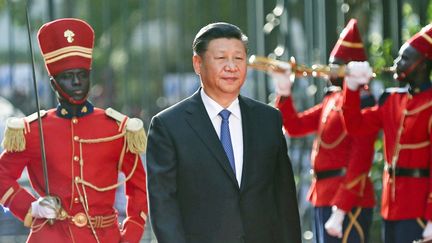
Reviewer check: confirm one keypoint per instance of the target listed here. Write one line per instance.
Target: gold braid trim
(132, 221)
(421, 223)
(103, 189)
(36, 227)
(71, 235)
(359, 179)
(100, 140)
(415, 145)
(13, 197)
(85, 207)
(331, 106)
(353, 222)
(429, 125)
(418, 109)
(335, 143)
(351, 44)
(6, 195)
(120, 164)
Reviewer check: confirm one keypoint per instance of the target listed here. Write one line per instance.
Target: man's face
(75, 83)
(222, 68)
(336, 81)
(407, 62)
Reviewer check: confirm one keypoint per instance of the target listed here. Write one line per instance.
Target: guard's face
(75, 84)
(222, 67)
(407, 63)
(336, 81)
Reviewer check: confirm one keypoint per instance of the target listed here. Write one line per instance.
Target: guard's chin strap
(66, 96)
(409, 70)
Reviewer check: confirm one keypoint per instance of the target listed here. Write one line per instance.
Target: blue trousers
(355, 227)
(402, 231)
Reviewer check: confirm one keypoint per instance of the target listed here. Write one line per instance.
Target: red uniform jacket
(100, 167)
(333, 149)
(406, 121)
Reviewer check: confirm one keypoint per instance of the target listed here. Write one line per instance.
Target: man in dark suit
(218, 169)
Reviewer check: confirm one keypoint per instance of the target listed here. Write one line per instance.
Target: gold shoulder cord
(320, 143)
(84, 183)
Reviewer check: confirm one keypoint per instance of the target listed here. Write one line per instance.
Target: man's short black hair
(216, 31)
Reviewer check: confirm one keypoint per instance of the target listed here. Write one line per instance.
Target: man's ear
(197, 61)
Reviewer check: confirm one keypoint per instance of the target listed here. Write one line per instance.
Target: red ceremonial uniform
(86, 148)
(406, 121)
(76, 162)
(333, 150)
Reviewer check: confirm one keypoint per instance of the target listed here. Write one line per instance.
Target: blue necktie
(225, 137)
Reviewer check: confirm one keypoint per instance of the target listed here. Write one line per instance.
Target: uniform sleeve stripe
(6, 196)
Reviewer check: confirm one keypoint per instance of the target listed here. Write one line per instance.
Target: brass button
(74, 120)
(77, 179)
(76, 200)
(76, 158)
(76, 138)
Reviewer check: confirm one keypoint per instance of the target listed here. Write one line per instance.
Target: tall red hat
(422, 41)
(66, 44)
(349, 47)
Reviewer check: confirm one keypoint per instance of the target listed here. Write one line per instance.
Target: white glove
(333, 225)
(427, 232)
(45, 207)
(282, 82)
(358, 73)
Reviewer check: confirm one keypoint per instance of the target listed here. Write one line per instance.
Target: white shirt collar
(213, 108)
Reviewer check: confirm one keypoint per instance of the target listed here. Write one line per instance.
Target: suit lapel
(199, 121)
(247, 127)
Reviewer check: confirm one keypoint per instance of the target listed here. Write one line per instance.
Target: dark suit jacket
(193, 194)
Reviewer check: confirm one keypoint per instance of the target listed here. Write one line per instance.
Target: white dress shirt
(235, 126)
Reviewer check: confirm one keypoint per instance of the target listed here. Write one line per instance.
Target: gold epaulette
(136, 137)
(14, 140)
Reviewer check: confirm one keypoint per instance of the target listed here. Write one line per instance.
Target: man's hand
(427, 232)
(45, 207)
(333, 225)
(358, 73)
(282, 82)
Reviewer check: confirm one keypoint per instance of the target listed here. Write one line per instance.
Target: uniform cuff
(133, 230)
(19, 203)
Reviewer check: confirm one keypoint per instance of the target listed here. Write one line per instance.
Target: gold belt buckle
(80, 219)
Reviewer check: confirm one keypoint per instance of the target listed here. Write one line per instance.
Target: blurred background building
(142, 58)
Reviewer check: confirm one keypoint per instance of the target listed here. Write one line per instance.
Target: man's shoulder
(177, 108)
(258, 106)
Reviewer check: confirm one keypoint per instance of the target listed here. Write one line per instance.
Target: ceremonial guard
(406, 120)
(339, 161)
(85, 149)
